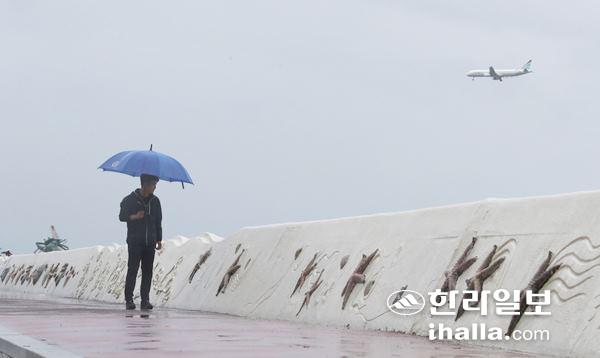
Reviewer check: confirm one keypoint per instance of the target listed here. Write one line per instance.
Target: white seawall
(414, 249)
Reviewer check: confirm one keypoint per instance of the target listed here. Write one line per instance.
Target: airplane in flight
(499, 74)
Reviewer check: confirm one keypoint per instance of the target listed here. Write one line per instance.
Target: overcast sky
(289, 110)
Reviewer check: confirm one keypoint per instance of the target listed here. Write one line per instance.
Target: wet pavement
(99, 329)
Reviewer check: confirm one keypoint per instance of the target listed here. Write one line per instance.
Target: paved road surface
(98, 329)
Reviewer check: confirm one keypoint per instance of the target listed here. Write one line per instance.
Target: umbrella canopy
(138, 162)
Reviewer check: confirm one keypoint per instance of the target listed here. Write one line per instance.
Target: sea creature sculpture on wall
(15, 273)
(309, 293)
(4, 274)
(201, 260)
(357, 276)
(451, 277)
(344, 261)
(229, 273)
(475, 283)
(307, 270)
(50, 274)
(368, 288)
(37, 273)
(399, 295)
(536, 283)
(162, 283)
(61, 274)
(70, 274)
(26, 274)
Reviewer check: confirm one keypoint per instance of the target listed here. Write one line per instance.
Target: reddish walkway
(97, 329)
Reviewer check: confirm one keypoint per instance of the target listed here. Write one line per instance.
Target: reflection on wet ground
(99, 329)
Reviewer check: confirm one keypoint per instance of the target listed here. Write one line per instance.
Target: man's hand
(137, 216)
(159, 245)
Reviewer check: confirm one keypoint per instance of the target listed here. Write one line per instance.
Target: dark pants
(146, 256)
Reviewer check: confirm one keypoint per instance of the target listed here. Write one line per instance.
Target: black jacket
(146, 231)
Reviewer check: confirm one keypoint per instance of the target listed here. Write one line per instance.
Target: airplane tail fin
(527, 67)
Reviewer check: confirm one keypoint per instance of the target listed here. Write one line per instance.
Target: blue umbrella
(138, 162)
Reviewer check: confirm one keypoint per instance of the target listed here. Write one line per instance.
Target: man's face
(149, 187)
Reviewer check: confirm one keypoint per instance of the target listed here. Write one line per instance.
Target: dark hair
(147, 179)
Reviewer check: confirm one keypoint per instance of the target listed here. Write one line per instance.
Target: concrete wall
(414, 248)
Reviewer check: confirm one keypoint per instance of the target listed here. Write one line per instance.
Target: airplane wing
(494, 74)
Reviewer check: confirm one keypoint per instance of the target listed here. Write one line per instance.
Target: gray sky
(289, 110)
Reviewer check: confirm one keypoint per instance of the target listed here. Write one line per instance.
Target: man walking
(142, 212)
